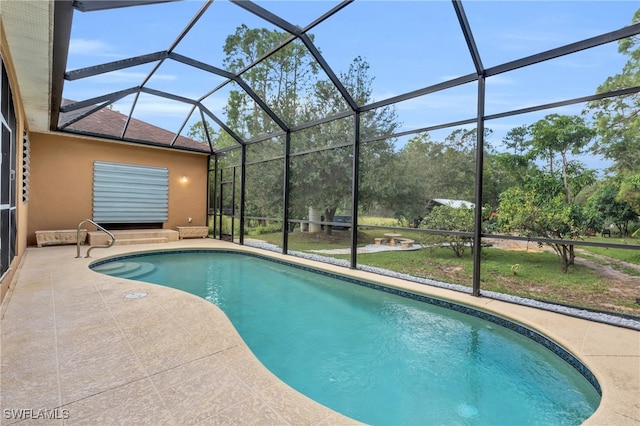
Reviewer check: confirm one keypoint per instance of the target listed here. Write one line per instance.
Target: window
(126, 193)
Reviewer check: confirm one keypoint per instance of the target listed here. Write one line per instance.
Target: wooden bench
(60, 236)
(192, 231)
(380, 241)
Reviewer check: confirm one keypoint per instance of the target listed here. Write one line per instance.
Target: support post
(243, 189)
(477, 230)
(211, 198)
(355, 191)
(221, 198)
(285, 196)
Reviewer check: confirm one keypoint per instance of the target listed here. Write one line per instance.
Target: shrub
(446, 218)
(265, 229)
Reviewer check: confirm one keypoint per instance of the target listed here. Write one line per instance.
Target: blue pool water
(372, 355)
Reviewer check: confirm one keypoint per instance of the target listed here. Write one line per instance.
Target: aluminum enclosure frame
(63, 19)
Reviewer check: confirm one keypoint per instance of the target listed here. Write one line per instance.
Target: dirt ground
(582, 256)
(620, 284)
(516, 245)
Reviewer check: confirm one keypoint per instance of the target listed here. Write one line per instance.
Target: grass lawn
(378, 221)
(630, 256)
(535, 275)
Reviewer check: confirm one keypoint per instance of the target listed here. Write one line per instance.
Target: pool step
(126, 241)
(128, 270)
(109, 267)
(133, 236)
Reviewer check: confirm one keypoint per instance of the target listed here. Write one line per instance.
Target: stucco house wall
(21, 207)
(62, 180)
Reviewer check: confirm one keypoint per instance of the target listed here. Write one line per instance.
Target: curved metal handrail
(113, 238)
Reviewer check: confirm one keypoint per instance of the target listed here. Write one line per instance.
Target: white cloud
(442, 102)
(148, 107)
(80, 46)
(568, 62)
(131, 77)
(215, 103)
(499, 80)
(378, 96)
(529, 41)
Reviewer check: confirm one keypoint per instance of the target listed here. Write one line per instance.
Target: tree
(517, 164)
(617, 119)
(410, 196)
(617, 122)
(517, 139)
(281, 80)
(630, 192)
(446, 218)
(540, 209)
(538, 214)
(560, 135)
(219, 139)
(605, 206)
(290, 82)
(427, 169)
(465, 140)
(323, 178)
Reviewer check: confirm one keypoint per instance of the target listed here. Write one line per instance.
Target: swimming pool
(381, 357)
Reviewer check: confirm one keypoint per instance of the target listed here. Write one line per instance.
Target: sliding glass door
(8, 224)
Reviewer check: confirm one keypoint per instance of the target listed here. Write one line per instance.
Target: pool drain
(136, 295)
(467, 411)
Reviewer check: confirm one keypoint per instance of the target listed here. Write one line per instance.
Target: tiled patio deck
(76, 348)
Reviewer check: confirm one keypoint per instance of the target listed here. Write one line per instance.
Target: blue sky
(408, 44)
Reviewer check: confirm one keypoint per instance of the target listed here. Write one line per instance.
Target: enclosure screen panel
(125, 193)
